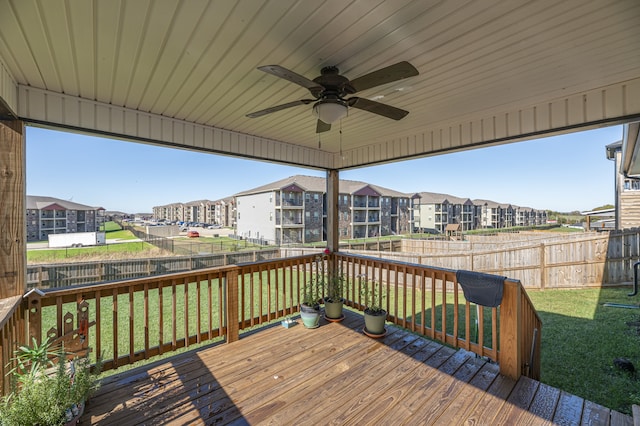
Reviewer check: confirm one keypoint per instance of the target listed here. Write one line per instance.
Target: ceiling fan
(330, 91)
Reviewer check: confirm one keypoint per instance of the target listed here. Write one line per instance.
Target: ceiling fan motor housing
(333, 84)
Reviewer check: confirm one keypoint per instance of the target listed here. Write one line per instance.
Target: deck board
(332, 375)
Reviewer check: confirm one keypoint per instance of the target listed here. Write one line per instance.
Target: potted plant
(374, 314)
(310, 303)
(334, 299)
(48, 389)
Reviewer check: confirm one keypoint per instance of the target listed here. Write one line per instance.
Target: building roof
(439, 198)
(35, 202)
(318, 184)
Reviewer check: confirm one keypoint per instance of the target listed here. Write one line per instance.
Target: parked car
(193, 234)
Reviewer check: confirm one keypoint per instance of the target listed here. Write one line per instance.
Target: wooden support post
(232, 302)
(333, 189)
(13, 269)
(510, 358)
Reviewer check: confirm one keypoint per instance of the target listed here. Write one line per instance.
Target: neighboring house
(293, 210)
(48, 215)
(627, 191)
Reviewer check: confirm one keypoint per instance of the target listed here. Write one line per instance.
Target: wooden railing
(429, 301)
(128, 321)
(12, 334)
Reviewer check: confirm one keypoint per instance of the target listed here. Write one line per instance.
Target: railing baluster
(160, 318)
(98, 333)
(198, 310)
(185, 293)
(433, 305)
(456, 313)
(146, 320)
(174, 315)
(114, 312)
(131, 326)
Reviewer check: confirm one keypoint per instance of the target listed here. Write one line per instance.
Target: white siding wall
(256, 216)
(427, 216)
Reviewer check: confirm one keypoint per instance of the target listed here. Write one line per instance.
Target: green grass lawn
(53, 255)
(580, 340)
(114, 232)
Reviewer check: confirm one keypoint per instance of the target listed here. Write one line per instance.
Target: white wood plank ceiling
(183, 73)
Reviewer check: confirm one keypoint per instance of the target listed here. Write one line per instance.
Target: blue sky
(561, 173)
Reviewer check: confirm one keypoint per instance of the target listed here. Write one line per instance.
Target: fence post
(543, 268)
(232, 302)
(510, 358)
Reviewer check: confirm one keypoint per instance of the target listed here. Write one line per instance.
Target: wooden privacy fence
(577, 260)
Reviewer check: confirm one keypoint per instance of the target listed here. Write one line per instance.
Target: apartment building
(48, 215)
(220, 212)
(434, 211)
(293, 210)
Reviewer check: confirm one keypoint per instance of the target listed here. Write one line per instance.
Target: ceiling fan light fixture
(330, 111)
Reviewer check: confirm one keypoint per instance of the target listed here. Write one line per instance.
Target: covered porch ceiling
(184, 73)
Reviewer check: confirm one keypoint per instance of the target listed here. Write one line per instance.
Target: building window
(632, 184)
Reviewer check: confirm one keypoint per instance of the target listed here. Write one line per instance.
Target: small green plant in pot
(310, 303)
(47, 388)
(375, 315)
(334, 300)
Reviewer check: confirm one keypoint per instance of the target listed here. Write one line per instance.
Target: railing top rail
(7, 307)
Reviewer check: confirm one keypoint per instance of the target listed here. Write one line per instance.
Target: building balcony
(430, 363)
(291, 202)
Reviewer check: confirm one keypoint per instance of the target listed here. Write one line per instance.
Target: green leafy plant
(49, 389)
(335, 286)
(32, 361)
(312, 293)
(372, 296)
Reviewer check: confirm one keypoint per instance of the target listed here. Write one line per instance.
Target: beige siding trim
(55, 109)
(8, 89)
(611, 104)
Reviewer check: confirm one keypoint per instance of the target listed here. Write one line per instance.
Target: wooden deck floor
(333, 375)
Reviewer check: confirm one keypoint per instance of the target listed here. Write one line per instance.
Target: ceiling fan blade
(378, 108)
(291, 76)
(279, 107)
(322, 127)
(385, 75)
